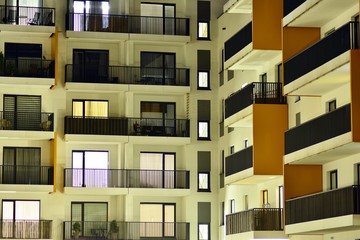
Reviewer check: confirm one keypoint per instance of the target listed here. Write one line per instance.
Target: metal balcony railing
(237, 42)
(26, 229)
(128, 75)
(22, 174)
(317, 130)
(129, 230)
(127, 24)
(28, 67)
(239, 161)
(19, 15)
(28, 121)
(334, 203)
(127, 178)
(257, 219)
(328, 48)
(290, 5)
(256, 92)
(127, 126)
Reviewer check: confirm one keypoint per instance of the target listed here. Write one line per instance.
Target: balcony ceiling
(243, 118)
(238, 6)
(324, 84)
(319, 13)
(252, 180)
(255, 60)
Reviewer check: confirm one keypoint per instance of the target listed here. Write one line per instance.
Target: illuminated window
(204, 231)
(90, 108)
(204, 181)
(203, 130)
(203, 80)
(203, 30)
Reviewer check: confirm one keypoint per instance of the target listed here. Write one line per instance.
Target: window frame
(207, 80)
(208, 130)
(333, 173)
(208, 230)
(232, 206)
(208, 189)
(207, 32)
(83, 101)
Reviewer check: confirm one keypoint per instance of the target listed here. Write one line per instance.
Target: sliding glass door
(158, 18)
(90, 168)
(158, 68)
(91, 15)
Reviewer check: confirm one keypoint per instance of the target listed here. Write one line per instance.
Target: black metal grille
(26, 229)
(20, 15)
(239, 161)
(333, 45)
(334, 203)
(22, 174)
(257, 219)
(256, 92)
(28, 121)
(28, 67)
(132, 75)
(130, 230)
(127, 178)
(320, 129)
(127, 24)
(127, 126)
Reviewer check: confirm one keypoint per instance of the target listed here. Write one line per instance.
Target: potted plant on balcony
(76, 229)
(114, 229)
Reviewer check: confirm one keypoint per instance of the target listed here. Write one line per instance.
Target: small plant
(76, 229)
(114, 229)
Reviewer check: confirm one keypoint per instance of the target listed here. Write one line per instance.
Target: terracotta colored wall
(269, 124)
(267, 24)
(300, 180)
(54, 53)
(355, 94)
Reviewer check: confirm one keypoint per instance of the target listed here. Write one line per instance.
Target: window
(15, 213)
(333, 180)
(204, 182)
(297, 98)
(204, 231)
(157, 220)
(265, 199)
(203, 80)
(203, 130)
(281, 196)
(246, 202)
(203, 30)
(279, 73)
(232, 205)
(158, 170)
(22, 166)
(157, 68)
(263, 78)
(222, 213)
(88, 169)
(297, 119)
(165, 18)
(230, 74)
(222, 163)
(331, 105)
(246, 143)
(232, 149)
(90, 215)
(357, 174)
(90, 108)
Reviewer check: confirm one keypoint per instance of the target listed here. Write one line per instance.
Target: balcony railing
(334, 203)
(26, 229)
(28, 67)
(320, 129)
(237, 42)
(290, 5)
(328, 48)
(127, 126)
(21, 174)
(239, 161)
(39, 16)
(130, 230)
(256, 92)
(127, 24)
(128, 75)
(257, 219)
(27, 121)
(127, 178)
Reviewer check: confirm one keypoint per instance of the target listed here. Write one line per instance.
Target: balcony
(325, 64)
(325, 138)
(239, 41)
(254, 93)
(26, 229)
(128, 25)
(28, 68)
(116, 75)
(313, 13)
(29, 175)
(256, 220)
(127, 178)
(130, 230)
(239, 161)
(324, 212)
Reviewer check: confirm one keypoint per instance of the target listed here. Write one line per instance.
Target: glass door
(157, 220)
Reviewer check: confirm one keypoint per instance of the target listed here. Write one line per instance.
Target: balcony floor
(26, 188)
(325, 226)
(324, 152)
